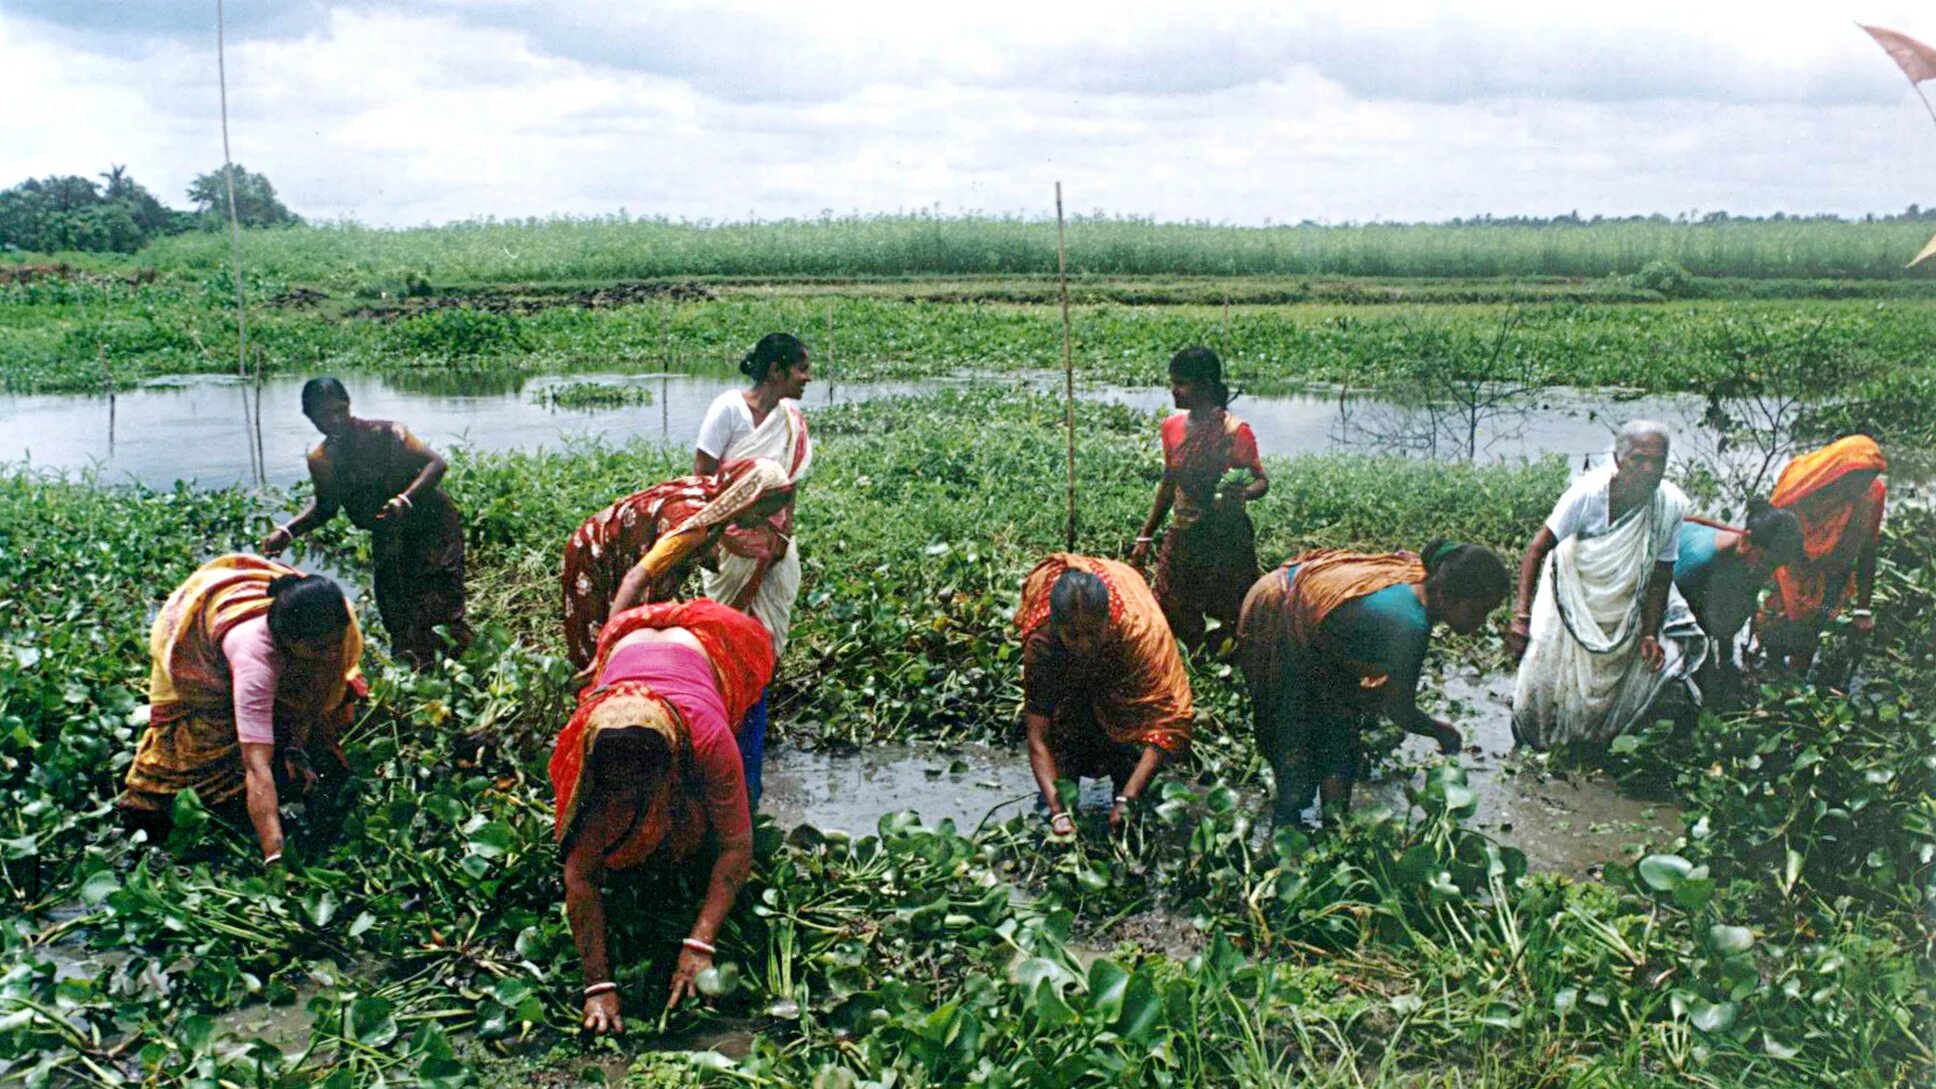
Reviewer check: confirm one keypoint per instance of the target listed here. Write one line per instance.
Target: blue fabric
(752, 750)
(1719, 589)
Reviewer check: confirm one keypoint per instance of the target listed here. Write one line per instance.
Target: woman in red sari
(648, 771)
(641, 548)
(1838, 494)
(1209, 557)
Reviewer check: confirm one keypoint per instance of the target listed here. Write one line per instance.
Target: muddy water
(1568, 821)
(200, 428)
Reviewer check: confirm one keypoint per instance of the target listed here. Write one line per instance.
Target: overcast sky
(398, 113)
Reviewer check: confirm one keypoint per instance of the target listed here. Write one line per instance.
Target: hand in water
(277, 540)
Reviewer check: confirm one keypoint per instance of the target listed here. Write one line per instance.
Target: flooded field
(203, 428)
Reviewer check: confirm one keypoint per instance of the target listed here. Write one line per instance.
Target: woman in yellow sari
(254, 676)
(1838, 494)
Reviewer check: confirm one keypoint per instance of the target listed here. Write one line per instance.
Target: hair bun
(282, 584)
(1758, 503)
(747, 365)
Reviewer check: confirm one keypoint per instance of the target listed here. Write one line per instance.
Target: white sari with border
(781, 437)
(1582, 679)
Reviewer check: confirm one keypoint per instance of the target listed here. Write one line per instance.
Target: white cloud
(400, 114)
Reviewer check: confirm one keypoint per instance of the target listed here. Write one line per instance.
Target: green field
(618, 249)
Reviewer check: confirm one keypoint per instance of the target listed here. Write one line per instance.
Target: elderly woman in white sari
(1606, 631)
(764, 421)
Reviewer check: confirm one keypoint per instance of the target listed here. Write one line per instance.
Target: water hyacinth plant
(1783, 940)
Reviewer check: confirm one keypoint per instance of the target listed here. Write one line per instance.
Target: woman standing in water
(388, 483)
(761, 422)
(1334, 639)
(1209, 557)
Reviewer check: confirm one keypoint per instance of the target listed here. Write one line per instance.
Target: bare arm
(1165, 498)
(1651, 612)
(735, 861)
(1259, 485)
(1537, 550)
(259, 787)
(317, 512)
(610, 815)
(1865, 573)
(704, 464)
(1139, 778)
(1041, 761)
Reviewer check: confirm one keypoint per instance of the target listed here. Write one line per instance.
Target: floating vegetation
(1784, 940)
(592, 395)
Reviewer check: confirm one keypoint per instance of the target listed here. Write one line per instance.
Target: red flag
(1916, 60)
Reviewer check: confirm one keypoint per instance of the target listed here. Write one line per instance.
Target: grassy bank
(1788, 943)
(83, 336)
(621, 248)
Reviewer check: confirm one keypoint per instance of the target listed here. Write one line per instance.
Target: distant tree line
(117, 214)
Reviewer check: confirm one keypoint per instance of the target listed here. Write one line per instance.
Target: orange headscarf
(1834, 529)
(1149, 702)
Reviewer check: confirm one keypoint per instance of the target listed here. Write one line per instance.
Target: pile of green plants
(424, 942)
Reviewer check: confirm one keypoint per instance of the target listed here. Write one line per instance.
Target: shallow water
(201, 428)
(1571, 821)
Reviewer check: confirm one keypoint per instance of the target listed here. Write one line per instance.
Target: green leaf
(197, 1033)
(1664, 873)
(98, 887)
(1731, 939)
(372, 1022)
(1711, 1016)
(1050, 1009)
(1108, 982)
(1142, 1009)
(493, 839)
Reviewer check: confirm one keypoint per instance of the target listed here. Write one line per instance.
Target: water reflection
(202, 428)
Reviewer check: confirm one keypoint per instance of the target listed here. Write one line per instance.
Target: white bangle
(1859, 614)
(1144, 540)
(698, 946)
(597, 989)
(1062, 816)
(1124, 799)
(272, 859)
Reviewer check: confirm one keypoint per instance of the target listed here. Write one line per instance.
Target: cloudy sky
(399, 112)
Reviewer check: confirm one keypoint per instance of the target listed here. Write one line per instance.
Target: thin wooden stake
(830, 353)
(1068, 368)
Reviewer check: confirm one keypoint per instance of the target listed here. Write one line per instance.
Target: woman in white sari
(764, 421)
(1607, 630)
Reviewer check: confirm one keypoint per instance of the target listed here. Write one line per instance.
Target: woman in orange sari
(254, 676)
(1103, 688)
(1334, 638)
(641, 548)
(1209, 557)
(648, 770)
(1838, 494)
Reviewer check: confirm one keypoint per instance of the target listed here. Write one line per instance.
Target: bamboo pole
(1068, 368)
(830, 353)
